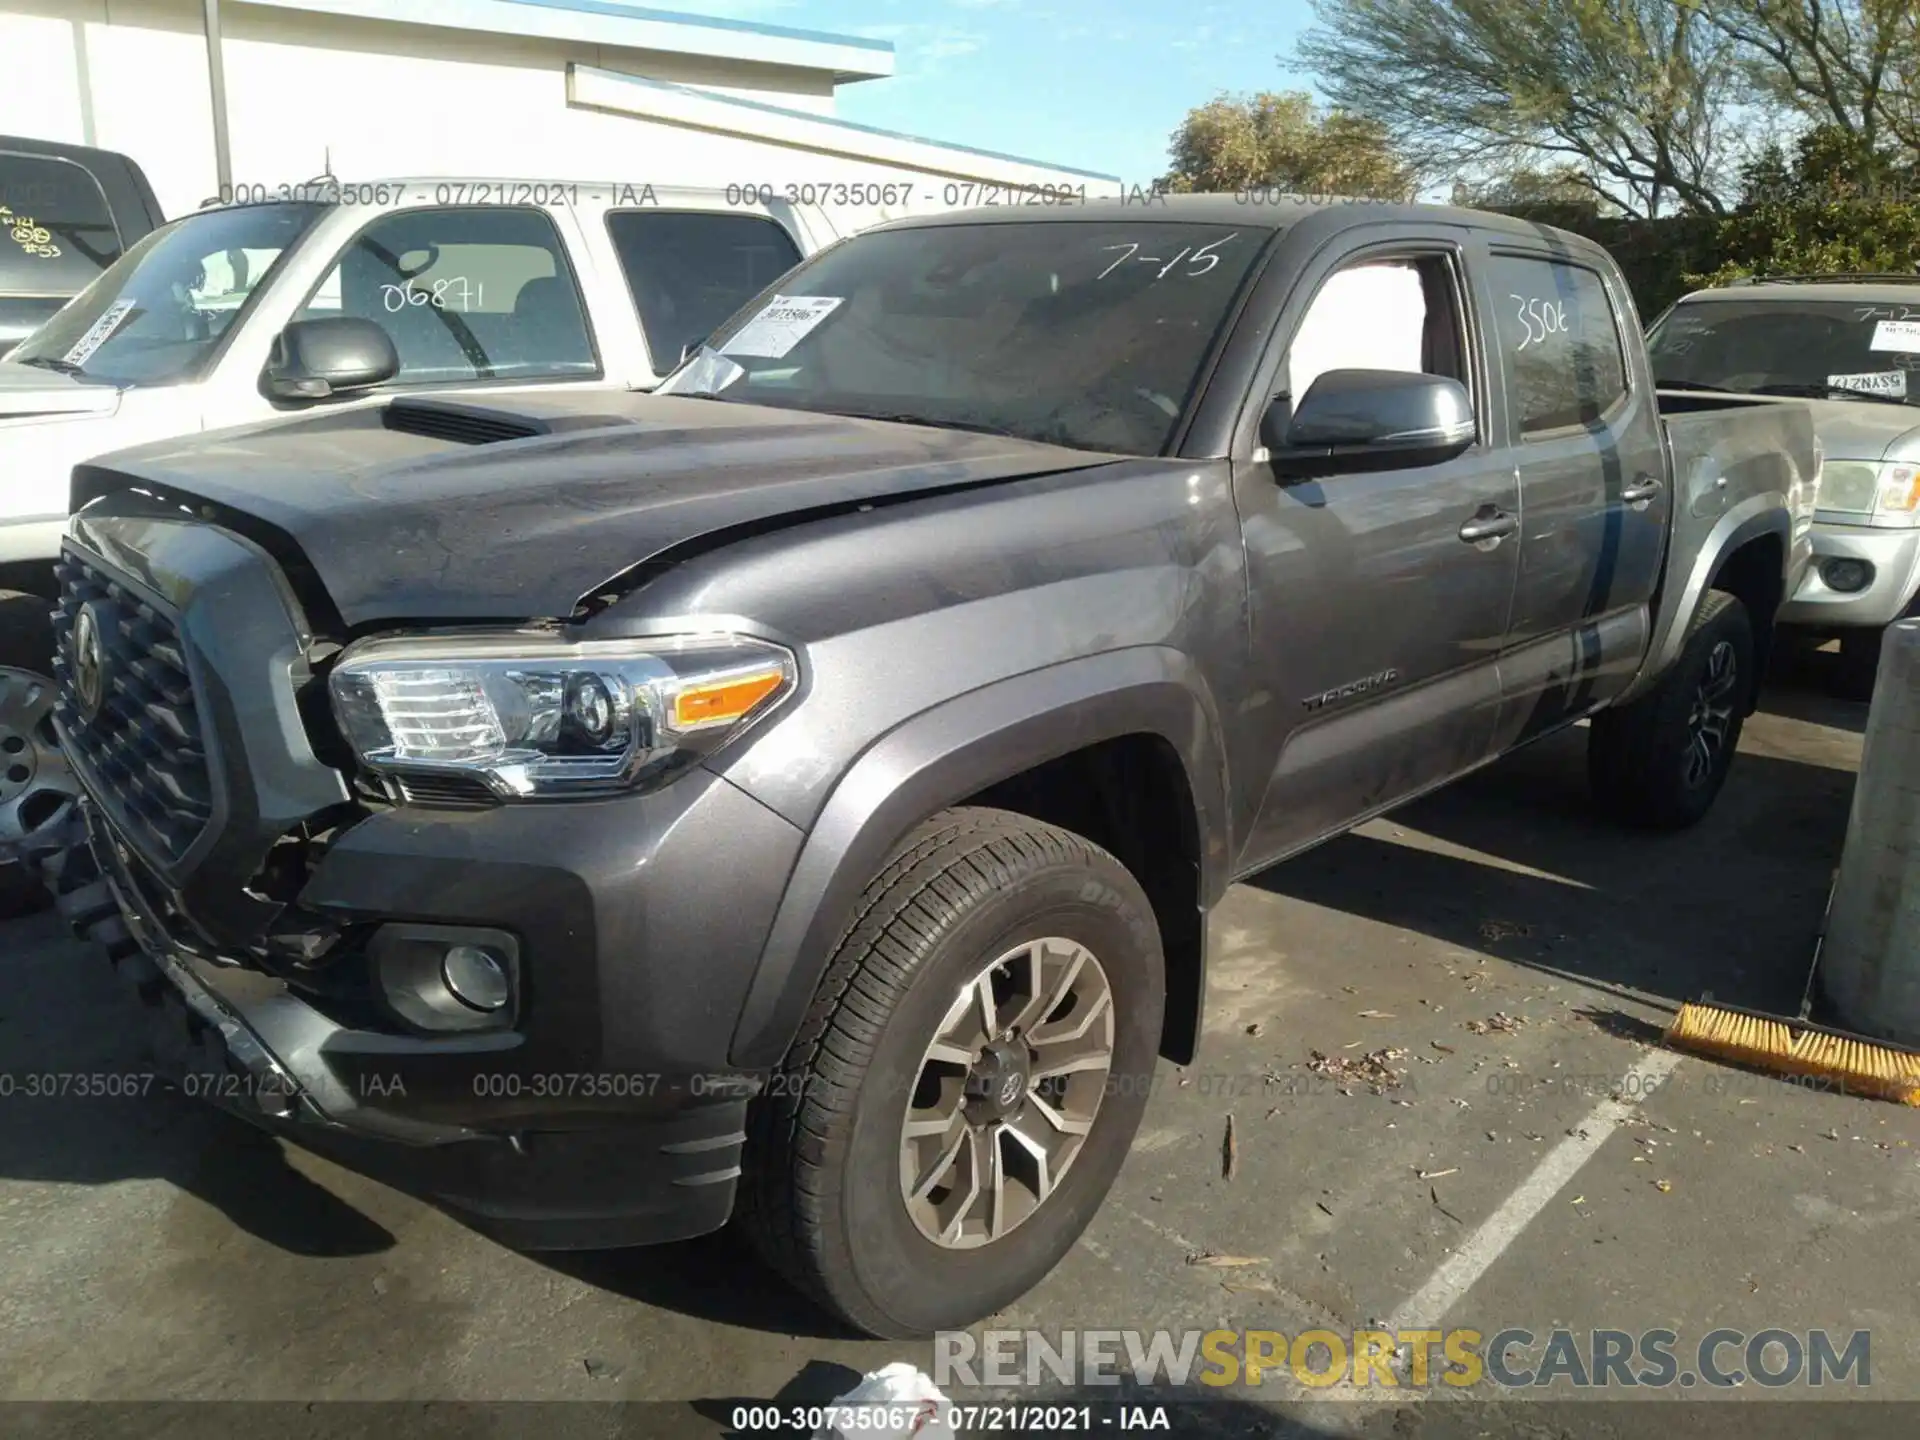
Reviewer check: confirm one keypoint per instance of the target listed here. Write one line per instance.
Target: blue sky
(1095, 84)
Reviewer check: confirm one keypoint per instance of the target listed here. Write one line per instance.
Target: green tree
(1287, 142)
(1829, 206)
(1632, 97)
(1526, 187)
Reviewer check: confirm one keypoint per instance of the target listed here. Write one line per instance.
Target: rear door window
(1559, 342)
(689, 270)
(467, 293)
(56, 229)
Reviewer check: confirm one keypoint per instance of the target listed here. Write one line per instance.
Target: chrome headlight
(531, 716)
(1885, 495)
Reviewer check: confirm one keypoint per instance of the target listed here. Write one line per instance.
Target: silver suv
(1850, 344)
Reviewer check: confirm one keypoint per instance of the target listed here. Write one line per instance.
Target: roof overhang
(699, 109)
(629, 27)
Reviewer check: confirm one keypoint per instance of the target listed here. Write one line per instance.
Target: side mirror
(313, 359)
(1370, 420)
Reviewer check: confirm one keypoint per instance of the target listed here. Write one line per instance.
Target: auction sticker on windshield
(787, 320)
(1897, 335)
(98, 332)
(1879, 382)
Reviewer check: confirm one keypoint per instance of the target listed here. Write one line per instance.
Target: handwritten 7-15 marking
(1189, 254)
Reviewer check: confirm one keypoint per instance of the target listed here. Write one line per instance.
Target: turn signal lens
(1899, 488)
(723, 702)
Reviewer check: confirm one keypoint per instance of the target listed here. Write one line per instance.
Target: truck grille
(143, 745)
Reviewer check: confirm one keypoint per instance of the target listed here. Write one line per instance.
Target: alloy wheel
(1006, 1093)
(37, 788)
(1711, 716)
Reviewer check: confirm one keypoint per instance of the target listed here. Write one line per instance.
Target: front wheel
(965, 1087)
(36, 787)
(1660, 760)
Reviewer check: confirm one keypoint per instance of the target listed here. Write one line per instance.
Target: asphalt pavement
(1491, 1138)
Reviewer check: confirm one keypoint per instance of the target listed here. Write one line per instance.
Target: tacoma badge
(1351, 688)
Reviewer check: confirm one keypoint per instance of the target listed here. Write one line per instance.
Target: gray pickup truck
(799, 795)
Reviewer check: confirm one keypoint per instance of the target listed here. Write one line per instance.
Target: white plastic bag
(906, 1406)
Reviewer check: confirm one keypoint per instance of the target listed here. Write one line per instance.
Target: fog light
(441, 978)
(1846, 575)
(476, 977)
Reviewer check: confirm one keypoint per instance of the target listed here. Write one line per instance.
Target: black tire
(1637, 754)
(1859, 662)
(26, 643)
(820, 1197)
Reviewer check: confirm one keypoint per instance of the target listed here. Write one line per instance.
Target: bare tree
(1630, 96)
(1852, 65)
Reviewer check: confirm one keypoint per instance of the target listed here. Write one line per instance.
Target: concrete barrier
(1870, 961)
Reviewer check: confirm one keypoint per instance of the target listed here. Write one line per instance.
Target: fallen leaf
(1443, 1049)
(1376, 1069)
(1498, 1023)
(1254, 1028)
(1663, 1186)
(1225, 1262)
(1578, 1200)
(1230, 1153)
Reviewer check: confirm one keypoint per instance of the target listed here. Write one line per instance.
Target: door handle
(1643, 489)
(1484, 527)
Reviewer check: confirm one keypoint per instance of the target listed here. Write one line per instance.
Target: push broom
(1869, 886)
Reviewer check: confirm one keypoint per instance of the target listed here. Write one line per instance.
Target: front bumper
(1895, 558)
(661, 1167)
(247, 892)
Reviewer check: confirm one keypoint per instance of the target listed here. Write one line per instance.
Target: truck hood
(437, 510)
(31, 391)
(1865, 430)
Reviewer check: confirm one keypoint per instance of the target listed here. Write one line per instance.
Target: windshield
(1846, 350)
(158, 311)
(1079, 333)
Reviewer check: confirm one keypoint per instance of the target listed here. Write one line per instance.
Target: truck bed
(1732, 458)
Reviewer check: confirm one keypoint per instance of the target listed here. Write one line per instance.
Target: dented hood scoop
(425, 510)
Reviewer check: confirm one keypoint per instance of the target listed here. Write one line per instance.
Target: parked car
(800, 793)
(67, 212)
(1851, 345)
(341, 294)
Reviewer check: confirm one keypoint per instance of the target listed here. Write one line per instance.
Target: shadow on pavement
(85, 1107)
(1732, 906)
(716, 1278)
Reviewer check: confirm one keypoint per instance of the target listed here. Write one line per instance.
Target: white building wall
(378, 99)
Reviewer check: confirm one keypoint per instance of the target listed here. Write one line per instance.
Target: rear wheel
(36, 787)
(1660, 761)
(969, 1078)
